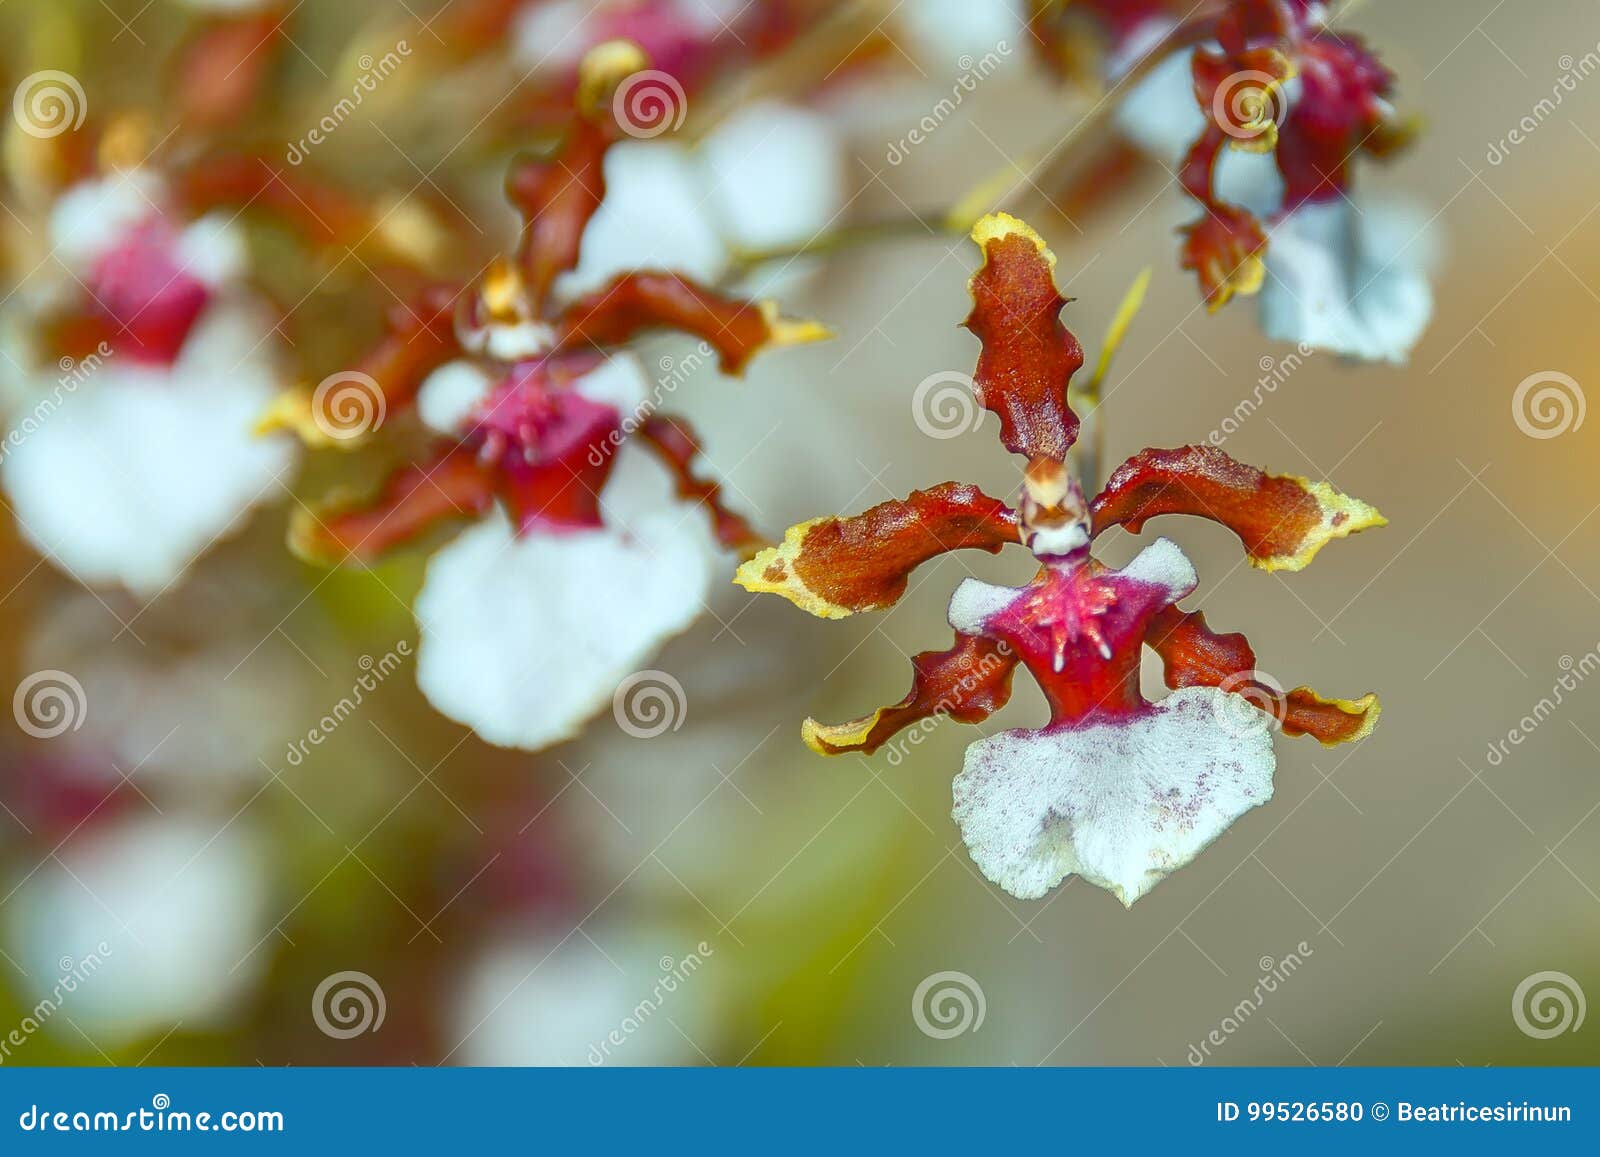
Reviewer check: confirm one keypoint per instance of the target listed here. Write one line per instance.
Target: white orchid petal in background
(1350, 278)
(645, 994)
(139, 469)
(523, 639)
(178, 904)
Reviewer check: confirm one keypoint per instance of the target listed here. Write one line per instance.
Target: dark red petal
(675, 442)
(1193, 656)
(1194, 174)
(1028, 355)
(419, 337)
(635, 302)
(222, 67)
(833, 567)
(1281, 519)
(453, 485)
(317, 211)
(1226, 249)
(969, 682)
(556, 198)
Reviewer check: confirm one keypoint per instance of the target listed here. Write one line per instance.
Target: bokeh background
(516, 908)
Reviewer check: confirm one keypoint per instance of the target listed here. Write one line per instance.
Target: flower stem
(847, 236)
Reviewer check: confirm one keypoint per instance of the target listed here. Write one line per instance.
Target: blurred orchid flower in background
(144, 357)
(588, 551)
(1262, 124)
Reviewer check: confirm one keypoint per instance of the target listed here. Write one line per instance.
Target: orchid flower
(141, 355)
(1116, 789)
(587, 548)
(1265, 124)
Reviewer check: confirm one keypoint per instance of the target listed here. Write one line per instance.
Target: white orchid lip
(143, 467)
(1122, 803)
(1116, 789)
(526, 637)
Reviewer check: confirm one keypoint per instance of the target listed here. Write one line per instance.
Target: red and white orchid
(143, 355)
(587, 544)
(1261, 110)
(1114, 788)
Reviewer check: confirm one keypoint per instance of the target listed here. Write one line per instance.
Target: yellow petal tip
(772, 572)
(790, 331)
(997, 226)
